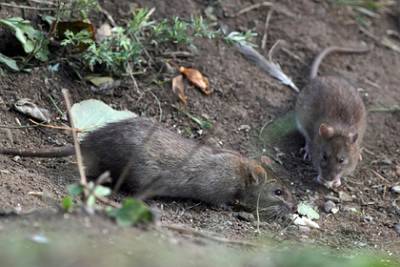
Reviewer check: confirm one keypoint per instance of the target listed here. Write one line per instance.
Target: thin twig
(18, 126)
(130, 72)
(193, 232)
(258, 213)
(109, 202)
(292, 55)
(380, 176)
(159, 104)
(265, 36)
(251, 7)
(108, 15)
(43, 2)
(383, 109)
(27, 7)
(55, 127)
(272, 50)
(77, 147)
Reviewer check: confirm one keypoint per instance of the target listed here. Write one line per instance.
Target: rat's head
(336, 154)
(271, 197)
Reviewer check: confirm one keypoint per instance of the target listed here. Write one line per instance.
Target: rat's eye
(341, 160)
(278, 192)
(324, 157)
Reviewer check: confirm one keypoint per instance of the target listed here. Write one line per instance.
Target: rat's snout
(335, 182)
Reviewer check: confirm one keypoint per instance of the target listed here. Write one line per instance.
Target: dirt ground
(243, 96)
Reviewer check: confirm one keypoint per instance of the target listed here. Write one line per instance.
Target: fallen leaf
(27, 107)
(306, 210)
(102, 84)
(9, 62)
(197, 79)
(91, 114)
(179, 88)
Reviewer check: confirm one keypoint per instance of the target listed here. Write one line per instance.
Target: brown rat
(331, 116)
(161, 162)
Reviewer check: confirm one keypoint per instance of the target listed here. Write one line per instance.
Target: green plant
(240, 37)
(85, 7)
(33, 41)
(131, 211)
(202, 29)
(77, 39)
(175, 31)
(140, 21)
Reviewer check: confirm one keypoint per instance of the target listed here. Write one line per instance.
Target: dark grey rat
(159, 162)
(331, 116)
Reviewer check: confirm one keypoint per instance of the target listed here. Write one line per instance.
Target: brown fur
(159, 162)
(332, 117)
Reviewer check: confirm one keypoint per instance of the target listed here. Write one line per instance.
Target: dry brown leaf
(197, 79)
(179, 88)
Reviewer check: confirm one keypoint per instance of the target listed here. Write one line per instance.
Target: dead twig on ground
(55, 126)
(277, 7)
(385, 41)
(265, 36)
(258, 213)
(193, 232)
(252, 7)
(49, 3)
(292, 55)
(380, 176)
(385, 109)
(272, 50)
(77, 147)
(108, 15)
(27, 7)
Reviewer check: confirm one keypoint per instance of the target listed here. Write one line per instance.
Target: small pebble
(245, 128)
(368, 219)
(396, 189)
(329, 206)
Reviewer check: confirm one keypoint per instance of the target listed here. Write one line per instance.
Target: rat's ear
(326, 131)
(252, 173)
(257, 174)
(353, 137)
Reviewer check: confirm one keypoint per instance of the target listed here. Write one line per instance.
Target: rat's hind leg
(306, 149)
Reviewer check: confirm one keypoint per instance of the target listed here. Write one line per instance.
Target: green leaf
(75, 190)
(102, 191)
(9, 62)
(67, 203)
(132, 212)
(91, 114)
(32, 40)
(306, 210)
(203, 123)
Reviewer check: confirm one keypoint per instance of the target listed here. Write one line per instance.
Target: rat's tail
(43, 153)
(317, 61)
